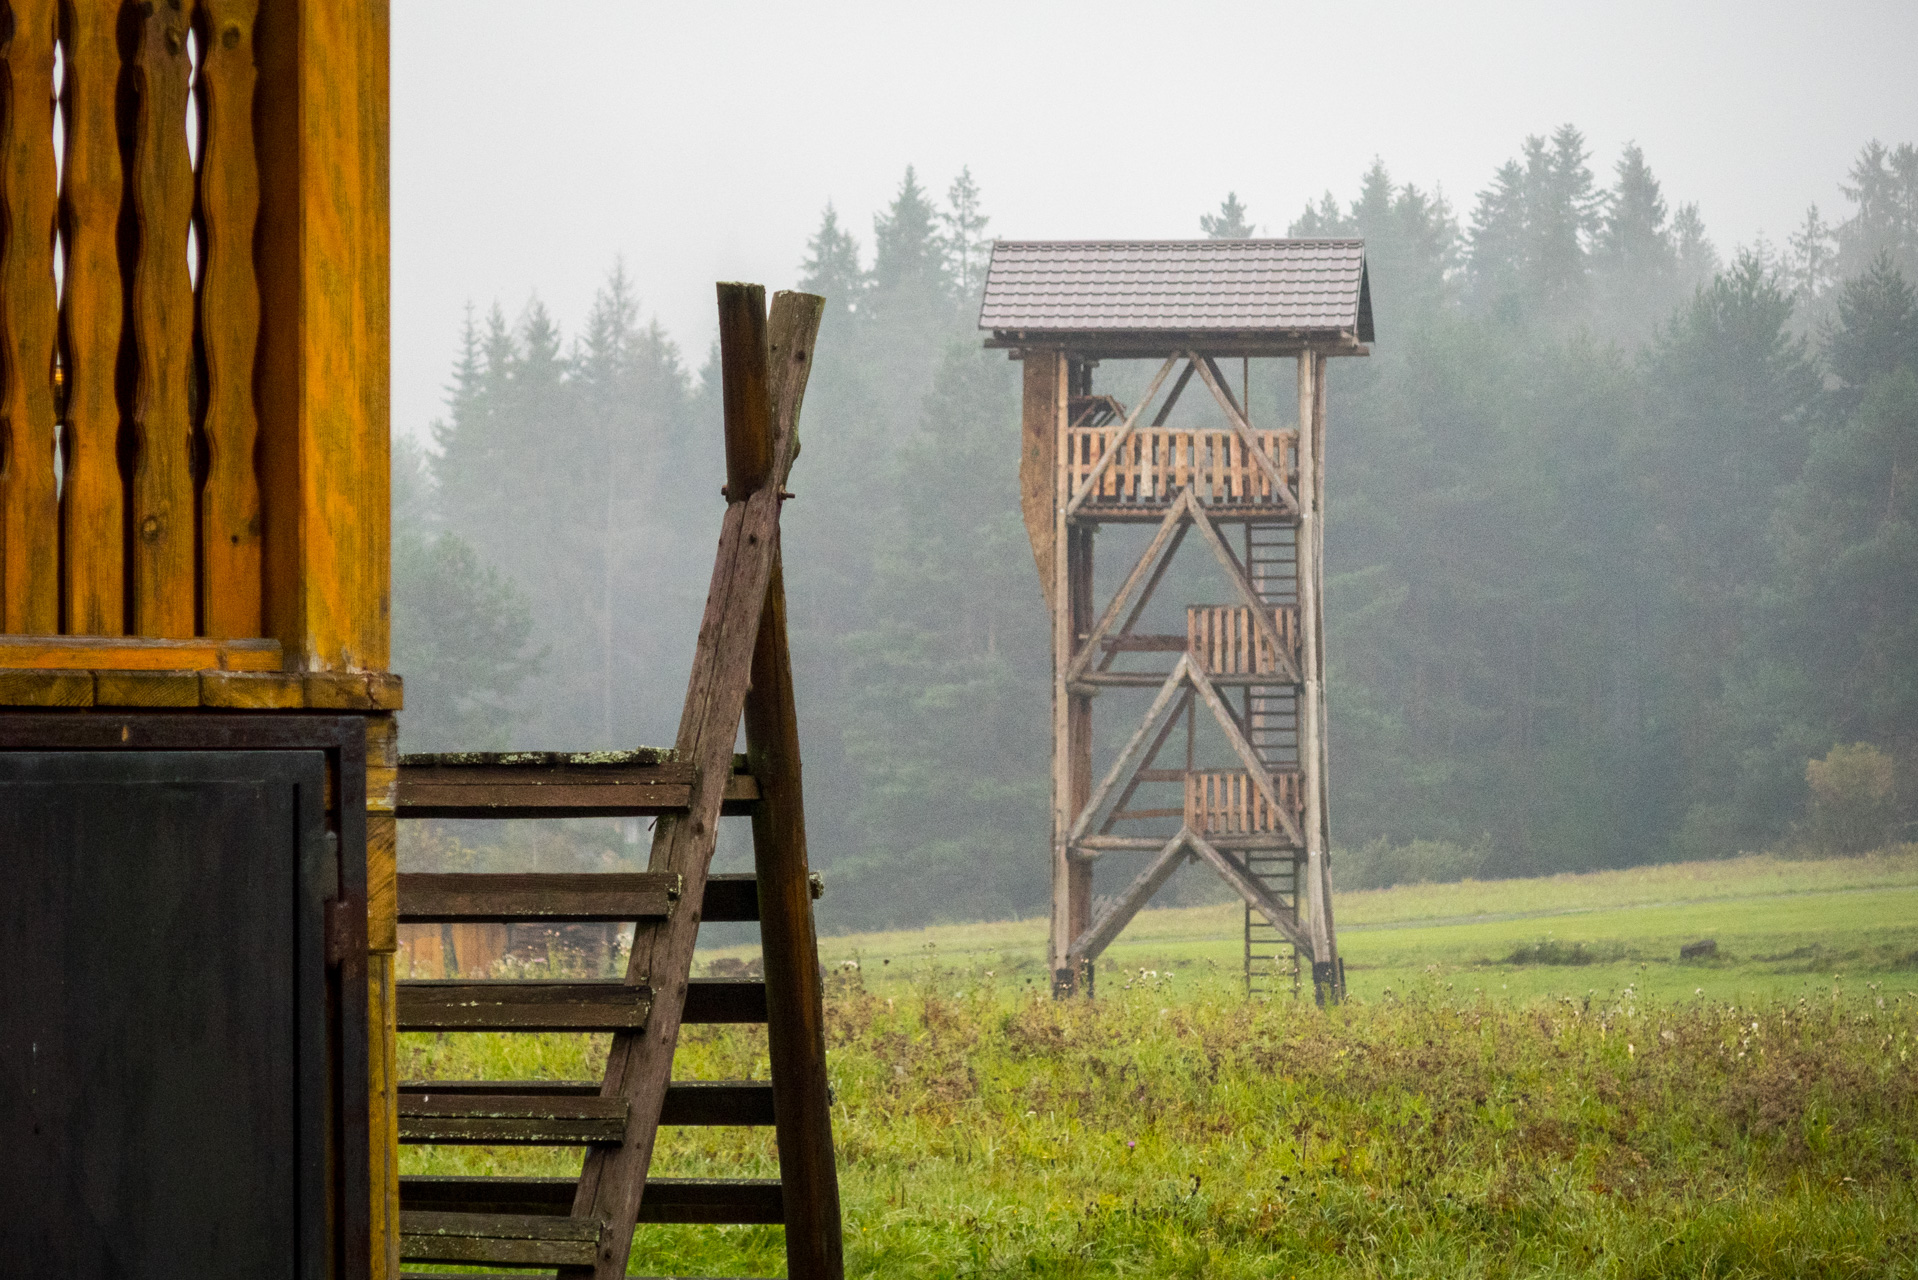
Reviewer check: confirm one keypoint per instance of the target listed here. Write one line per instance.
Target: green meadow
(1782, 927)
(1525, 1082)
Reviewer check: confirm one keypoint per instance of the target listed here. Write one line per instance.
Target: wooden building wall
(194, 507)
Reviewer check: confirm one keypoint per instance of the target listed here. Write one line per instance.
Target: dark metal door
(163, 1022)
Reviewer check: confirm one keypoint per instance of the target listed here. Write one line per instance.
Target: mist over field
(1621, 534)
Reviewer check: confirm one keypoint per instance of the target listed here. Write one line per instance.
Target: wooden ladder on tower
(579, 1227)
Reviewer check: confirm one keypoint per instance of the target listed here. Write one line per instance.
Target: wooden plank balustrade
(1224, 802)
(159, 427)
(1225, 642)
(1155, 463)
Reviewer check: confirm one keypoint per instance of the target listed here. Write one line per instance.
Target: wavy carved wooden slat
(229, 319)
(91, 304)
(162, 183)
(29, 324)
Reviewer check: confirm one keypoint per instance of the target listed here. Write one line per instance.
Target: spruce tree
(832, 271)
(1229, 223)
(968, 250)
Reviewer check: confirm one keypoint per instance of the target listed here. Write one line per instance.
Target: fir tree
(1884, 192)
(968, 250)
(1875, 330)
(832, 269)
(1229, 223)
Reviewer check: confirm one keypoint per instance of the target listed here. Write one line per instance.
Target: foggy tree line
(1621, 533)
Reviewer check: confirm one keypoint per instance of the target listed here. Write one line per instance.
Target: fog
(533, 146)
(1618, 528)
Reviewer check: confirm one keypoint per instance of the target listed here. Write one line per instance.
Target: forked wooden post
(755, 379)
(639, 1068)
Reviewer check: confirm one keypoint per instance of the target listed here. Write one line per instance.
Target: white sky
(534, 144)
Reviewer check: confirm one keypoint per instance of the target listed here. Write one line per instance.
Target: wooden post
(1311, 704)
(1336, 969)
(795, 1013)
(1040, 444)
(323, 381)
(1045, 403)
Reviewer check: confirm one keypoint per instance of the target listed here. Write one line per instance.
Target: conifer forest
(1622, 534)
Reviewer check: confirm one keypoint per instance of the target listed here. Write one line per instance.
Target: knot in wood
(150, 529)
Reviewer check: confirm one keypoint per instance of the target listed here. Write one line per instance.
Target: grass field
(1463, 1115)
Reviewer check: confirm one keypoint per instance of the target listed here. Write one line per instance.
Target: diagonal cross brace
(1164, 543)
(1185, 673)
(1235, 573)
(1119, 912)
(1273, 473)
(1091, 481)
(1236, 874)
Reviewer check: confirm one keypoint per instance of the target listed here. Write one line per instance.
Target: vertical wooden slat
(29, 510)
(92, 305)
(229, 320)
(162, 185)
(322, 119)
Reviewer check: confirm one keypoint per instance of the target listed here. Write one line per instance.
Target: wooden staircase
(579, 1227)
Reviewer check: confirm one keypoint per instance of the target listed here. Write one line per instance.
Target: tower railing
(1223, 802)
(1226, 643)
(1154, 463)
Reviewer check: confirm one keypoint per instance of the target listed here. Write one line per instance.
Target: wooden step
(508, 1239)
(710, 1201)
(568, 897)
(579, 1004)
(542, 898)
(479, 1119)
(458, 1004)
(688, 1102)
(554, 784)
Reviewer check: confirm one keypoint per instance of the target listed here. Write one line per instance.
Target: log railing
(1224, 641)
(1153, 464)
(1223, 802)
(130, 320)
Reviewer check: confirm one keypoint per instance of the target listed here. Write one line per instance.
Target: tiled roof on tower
(1303, 287)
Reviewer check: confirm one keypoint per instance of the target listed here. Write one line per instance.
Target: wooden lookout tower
(1244, 676)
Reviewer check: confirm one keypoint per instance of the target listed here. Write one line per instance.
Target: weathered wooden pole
(1312, 755)
(752, 377)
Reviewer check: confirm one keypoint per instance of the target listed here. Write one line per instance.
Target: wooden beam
(1248, 595)
(92, 191)
(1093, 846)
(795, 997)
(1274, 472)
(639, 1067)
(1178, 389)
(1235, 737)
(29, 320)
(1311, 730)
(1119, 912)
(1146, 592)
(1042, 424)
(161, 550)
(321, 116)
(1163, 541)
(1105, 797)
(230, 516)
(549, 897)
(129, 653)
(1247, 886)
